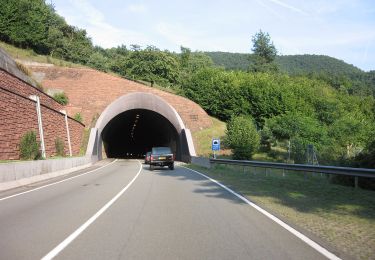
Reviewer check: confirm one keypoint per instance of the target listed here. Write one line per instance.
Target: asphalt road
(162, 214)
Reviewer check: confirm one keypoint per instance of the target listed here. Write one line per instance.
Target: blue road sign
(215, 144)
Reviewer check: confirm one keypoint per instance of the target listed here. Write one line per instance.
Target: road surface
(160, 214)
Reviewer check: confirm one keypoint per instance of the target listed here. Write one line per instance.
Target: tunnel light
(137, 116)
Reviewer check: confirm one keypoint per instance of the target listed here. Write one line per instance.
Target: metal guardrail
(348, 171)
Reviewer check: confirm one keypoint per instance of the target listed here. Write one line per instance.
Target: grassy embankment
(340, 215)
(31, 56)
(203, 138)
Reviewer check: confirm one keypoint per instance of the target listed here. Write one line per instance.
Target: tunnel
(134, 123)
(134, 132)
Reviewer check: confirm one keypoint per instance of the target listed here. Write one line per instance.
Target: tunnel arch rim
(139, 100)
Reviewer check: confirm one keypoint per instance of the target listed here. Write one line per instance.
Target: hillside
(334, 71)
(292, 64)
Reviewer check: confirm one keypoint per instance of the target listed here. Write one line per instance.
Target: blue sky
(344, 29)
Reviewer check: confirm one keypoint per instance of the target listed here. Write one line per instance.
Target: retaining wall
(18, 115)
(16, 174)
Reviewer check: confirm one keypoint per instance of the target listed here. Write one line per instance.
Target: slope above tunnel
(91, 91)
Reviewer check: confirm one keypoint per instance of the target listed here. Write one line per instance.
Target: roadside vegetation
(294, 104)
(340, 215)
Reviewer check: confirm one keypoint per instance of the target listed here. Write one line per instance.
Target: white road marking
(82, 228)
(51, 184)
(298, 234)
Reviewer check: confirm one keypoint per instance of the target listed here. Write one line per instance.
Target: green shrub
(78, 117)
(29, 147)
(242, 137)
(61, 98)
(59, 145)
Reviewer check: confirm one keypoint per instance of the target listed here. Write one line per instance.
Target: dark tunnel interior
(134, 132)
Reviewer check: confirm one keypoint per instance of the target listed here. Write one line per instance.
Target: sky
(344, 29)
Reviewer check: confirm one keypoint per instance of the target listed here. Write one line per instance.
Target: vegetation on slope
(335, 72)
(302, 100)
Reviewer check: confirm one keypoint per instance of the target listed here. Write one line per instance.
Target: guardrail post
(356, 182)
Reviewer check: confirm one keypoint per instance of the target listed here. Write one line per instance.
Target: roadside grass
(340, 215)
(203, 139)
(30, 55)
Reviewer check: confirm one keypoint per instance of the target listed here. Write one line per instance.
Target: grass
(30, 55)
(342, 216)
(203, 138)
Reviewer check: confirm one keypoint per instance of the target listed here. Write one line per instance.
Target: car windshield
(161, 150)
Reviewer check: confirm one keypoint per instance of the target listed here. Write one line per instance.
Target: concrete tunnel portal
(133, 124)
(133, 133)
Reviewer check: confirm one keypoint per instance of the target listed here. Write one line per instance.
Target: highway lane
(163, 215)
(33, 223)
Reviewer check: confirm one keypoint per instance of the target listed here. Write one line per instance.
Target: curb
(27, 181)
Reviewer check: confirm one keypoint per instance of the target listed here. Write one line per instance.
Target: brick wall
(18, 115)
(22, 88)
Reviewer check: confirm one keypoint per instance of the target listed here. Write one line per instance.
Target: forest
(292, 101)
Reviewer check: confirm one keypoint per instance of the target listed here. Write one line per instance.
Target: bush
(59, 145)
(61, 98)
(29, 147)
(242, 137)
(78, 117)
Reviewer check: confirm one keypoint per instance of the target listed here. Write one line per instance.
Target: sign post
(215, 145)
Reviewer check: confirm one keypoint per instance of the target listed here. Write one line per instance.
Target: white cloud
(175, 34)
(289, 7)
(102, 33)
(137, 8)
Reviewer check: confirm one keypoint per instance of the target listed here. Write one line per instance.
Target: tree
(98, 61)
(242, 137)
(264, 53)
(152, 65)
(185, 56)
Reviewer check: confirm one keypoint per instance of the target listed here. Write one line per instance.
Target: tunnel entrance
(134, 132)
(134, 123)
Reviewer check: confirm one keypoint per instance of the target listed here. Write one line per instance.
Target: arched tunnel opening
(134, 132)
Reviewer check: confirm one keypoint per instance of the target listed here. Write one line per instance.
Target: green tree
(264, 53)
(153, 65)
(185, 56)
(23, 23)
(217, 91)
(98, 61)
(242, 137)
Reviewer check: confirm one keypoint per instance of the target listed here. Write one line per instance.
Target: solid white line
(76, 233)
(51, 184)
(298, 234)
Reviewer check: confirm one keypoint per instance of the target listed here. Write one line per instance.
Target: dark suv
(161, 156)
